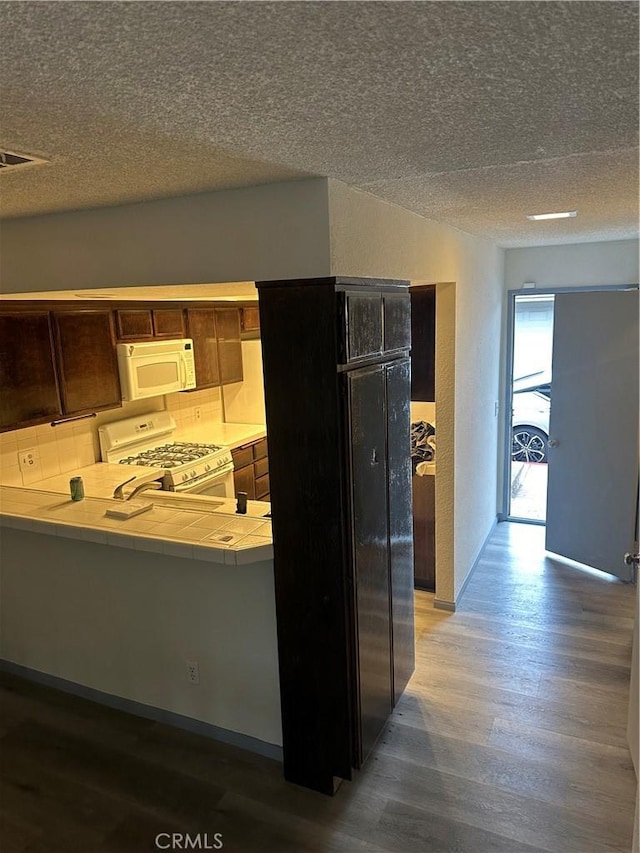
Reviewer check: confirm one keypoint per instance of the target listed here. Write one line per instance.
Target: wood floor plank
(510, 738)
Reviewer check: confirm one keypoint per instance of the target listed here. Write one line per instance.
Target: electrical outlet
(29, 459)
(197, 413)
(193, 672)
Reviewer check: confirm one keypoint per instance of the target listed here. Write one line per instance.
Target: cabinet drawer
(261, 467)
(242, 456)
(260, 449)
(262, 486)
(397, 321)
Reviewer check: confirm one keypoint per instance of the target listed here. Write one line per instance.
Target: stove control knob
(184, 477)
(207, 467)
(193, 473)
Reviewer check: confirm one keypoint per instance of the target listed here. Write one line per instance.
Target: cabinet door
(400, 522)
(369, 534)
(134, 324)
(244, 481)
(397, 321)
(363, 325)
(424, 532)
(87, 361)
(250, 320)
(262, 487)
(168, 323)
(229, 345)
(27, 372)
(423, 343)
(201, 326)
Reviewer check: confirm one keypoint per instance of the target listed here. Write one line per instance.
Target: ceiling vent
(11, 160)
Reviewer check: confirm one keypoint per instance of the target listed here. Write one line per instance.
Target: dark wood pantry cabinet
(337, 387)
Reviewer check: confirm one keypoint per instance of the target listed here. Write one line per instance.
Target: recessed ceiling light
(568, 214)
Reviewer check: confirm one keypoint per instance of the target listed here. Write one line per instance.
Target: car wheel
(528, 444)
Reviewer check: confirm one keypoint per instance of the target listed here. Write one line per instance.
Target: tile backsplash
(64, 448)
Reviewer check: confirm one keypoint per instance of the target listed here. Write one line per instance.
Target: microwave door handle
(183, 372)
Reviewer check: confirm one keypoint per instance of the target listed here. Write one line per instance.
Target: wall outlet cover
(29, 459)
(193, 671)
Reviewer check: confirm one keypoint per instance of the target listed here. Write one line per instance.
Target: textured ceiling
(473, 114)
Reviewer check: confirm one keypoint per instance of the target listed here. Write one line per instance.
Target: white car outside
(530, 425)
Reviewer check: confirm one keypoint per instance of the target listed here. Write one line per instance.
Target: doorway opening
(530, 386)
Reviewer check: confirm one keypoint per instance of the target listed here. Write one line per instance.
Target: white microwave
(150, 369)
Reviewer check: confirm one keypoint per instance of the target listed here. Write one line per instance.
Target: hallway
(510, 738)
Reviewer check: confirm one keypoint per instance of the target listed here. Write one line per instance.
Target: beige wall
(125, 622)
(372, 237)
(575, 265)
(273, 231)
(307, 229)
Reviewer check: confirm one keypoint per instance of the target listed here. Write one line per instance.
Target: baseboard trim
(439, 603)
(149, 712)
(492, 530)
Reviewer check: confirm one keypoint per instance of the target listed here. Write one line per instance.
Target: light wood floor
(510, 738)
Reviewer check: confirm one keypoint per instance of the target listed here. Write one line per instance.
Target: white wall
(125, 622)
(273, 231)
(244, 401)
(575, 265)
(372, 237)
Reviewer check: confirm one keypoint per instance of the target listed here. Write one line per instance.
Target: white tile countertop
(229, 435)
(195, 529)
(99, 479)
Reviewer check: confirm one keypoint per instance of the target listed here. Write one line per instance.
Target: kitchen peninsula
(118, 610)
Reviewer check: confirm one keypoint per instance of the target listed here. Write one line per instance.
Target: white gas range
(188, 467)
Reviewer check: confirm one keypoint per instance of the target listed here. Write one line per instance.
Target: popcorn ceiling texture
(472, 114)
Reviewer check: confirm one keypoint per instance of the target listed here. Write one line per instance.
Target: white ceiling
(470, 113)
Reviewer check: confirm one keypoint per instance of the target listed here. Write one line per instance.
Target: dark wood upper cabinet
(201, 327)
(229, 345)
(168, 323)
(134, 324)
(27, 370)
(250, 319)
(145, 324)
(88, 368)
(397, 322)
(363, 325)
(423, 343)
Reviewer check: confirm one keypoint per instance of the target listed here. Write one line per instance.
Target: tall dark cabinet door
(398, 382)
(367, 434)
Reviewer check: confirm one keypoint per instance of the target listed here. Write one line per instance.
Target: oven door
(221, 486)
